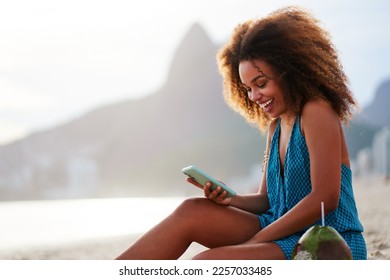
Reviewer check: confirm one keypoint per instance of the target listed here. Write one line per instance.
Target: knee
(192, 206)
(193, 202)
(219, 253)
(202, 256)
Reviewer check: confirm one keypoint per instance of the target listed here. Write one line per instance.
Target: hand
(218, 196)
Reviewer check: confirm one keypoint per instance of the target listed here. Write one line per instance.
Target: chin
(273, 115)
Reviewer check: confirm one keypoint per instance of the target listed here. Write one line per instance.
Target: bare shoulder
(319, 114)
(318, 107)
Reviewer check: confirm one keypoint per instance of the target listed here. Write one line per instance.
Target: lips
(266, 106)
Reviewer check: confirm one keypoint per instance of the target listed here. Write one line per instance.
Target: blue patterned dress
(284, 192)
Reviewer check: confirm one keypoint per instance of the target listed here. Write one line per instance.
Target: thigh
(214, 225)
(261, 251)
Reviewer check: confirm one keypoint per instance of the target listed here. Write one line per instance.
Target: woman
(282, 74)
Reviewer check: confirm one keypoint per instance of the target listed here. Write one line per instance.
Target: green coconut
(321, 243)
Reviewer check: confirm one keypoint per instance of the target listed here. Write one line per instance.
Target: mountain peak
(193, 50)
(376, 113)
(198, 33)
(184, 122)
(383, 92)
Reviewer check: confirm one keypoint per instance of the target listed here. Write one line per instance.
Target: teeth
(265, 104)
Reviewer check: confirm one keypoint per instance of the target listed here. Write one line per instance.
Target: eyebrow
(262, 75)
(258, 77)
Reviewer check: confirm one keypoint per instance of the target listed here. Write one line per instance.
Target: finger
(215, 194)
(192, 181)
(222, 196)
(217, 191)
(207, 190)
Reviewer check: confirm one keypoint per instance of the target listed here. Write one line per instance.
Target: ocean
(28, 224)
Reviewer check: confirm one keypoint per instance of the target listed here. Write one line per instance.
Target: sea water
(26, 224)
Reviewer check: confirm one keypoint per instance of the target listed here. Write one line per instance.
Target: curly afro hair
(292, 41)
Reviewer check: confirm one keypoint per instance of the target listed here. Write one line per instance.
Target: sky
(61, 59)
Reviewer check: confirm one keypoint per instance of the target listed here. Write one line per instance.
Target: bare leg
(198, 220)
(247, 251)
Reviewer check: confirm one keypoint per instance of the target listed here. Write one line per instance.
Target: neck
(287, 119)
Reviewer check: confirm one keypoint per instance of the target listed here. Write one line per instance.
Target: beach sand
(372, 197)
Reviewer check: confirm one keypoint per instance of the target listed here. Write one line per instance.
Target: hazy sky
(60, 59)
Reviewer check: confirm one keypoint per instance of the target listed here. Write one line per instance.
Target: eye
(261, 85)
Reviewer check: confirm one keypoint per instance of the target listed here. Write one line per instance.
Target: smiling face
(263, 86)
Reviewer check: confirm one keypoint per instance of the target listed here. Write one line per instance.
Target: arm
(255, 203)
(321, 127)
(258, 203)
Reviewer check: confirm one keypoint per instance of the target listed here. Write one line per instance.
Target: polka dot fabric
(284, 192)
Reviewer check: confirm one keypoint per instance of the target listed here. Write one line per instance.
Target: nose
(254, 95)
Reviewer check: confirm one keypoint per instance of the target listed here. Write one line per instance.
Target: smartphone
(202, 178)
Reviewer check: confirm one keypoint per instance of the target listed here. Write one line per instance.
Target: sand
(372, 197)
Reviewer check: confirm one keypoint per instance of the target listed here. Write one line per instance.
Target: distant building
(364, 163)
(381, 153)
(82, 176)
